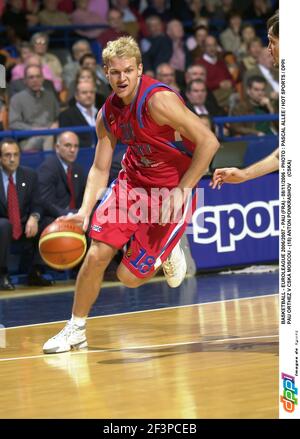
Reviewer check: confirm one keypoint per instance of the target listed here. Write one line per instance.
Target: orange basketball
(62, 245)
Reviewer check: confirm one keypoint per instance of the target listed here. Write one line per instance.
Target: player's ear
(140, 70)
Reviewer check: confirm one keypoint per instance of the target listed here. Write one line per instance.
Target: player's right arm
(235, 175)
(98, 174)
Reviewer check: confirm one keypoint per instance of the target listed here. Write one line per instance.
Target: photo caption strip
(289, 300)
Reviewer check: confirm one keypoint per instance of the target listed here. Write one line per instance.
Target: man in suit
(196, 93)
(83, 113)
(61, 180)
(20, 212)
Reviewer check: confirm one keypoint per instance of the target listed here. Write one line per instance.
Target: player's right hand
(227, 175)
(79, 218)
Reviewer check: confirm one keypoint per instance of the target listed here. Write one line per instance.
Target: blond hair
(123, 47)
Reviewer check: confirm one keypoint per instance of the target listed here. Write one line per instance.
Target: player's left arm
(167, 109)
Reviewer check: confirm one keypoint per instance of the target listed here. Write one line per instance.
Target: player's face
(10, 157)
(124, 76)
(273, 48)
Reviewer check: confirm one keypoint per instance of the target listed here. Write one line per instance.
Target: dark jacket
(55, 194)
(28, 194)
(72, 117)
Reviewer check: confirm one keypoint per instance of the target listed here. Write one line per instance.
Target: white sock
(79, 321)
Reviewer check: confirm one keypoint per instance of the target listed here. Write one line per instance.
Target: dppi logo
(288, 398)
(228, 223)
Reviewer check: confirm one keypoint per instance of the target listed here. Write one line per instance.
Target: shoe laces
(169, 267)
(68, 330)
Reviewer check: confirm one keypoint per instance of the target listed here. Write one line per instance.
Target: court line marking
(147, 310)
(132, 348)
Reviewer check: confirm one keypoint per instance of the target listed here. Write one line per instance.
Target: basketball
(62, 245)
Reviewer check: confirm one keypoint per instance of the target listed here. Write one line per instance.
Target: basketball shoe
(70, 337)
(175, 267)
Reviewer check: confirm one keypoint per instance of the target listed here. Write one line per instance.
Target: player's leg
(88, 284)
(90, 277)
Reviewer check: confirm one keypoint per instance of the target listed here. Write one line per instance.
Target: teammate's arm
(98, 174)
(235, 175)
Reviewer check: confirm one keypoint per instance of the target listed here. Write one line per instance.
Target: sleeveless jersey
(153, 157)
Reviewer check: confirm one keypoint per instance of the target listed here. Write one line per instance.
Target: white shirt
(89, 114)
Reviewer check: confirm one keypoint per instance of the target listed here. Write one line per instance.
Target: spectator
(256, 102)
(80, 48)
(130, 17)
(51, 16)
(83, 113)
(166, 74)
(250, 59)
(39, 43)
(180, 57)
(196, 43)
(157, 47)
(197, 102)
(248, 34)
(82, 15)
(116, 27)
(34, 108)
(230, 38)
(83, 75)
(61, 180)
(266, 70)
(219, 79)
(18, 72)
(20, 212)
(89, 61)
(158, 8)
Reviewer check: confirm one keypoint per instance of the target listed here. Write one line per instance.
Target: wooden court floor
(213, 360)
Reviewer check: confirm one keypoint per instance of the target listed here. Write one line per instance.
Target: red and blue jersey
(153, 157)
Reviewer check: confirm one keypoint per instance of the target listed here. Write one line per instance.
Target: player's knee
(97, 258)
(129, 281)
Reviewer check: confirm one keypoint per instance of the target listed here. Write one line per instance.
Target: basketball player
(271, 162)
(149, 117)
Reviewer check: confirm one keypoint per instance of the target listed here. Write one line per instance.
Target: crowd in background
(214, 52)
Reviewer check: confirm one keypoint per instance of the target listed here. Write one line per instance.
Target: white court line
(129, 348)
(148, 310)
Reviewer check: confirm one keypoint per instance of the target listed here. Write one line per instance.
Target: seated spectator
(130, 17)
(18, 72)
(256, 102)
(83, 113)
(82, 15)
(258, 9)
(51, 16)
(196, 44)
(197, 71)
(230, 38)
(116, 27)
(61, 180)
(80, 48)
(265, 69)
(248, 34)
(102, 85)
(83, 75)
(166, 74)
(197, 102)
(20, 84)
(17, 19)
(219, 79)
(158, 8)
(39, 42)
(20, 212)
(34, 108)
(157, 47)
(250, 59)
(180, 57)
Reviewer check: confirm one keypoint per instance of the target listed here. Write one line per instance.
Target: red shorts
(121, 219)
